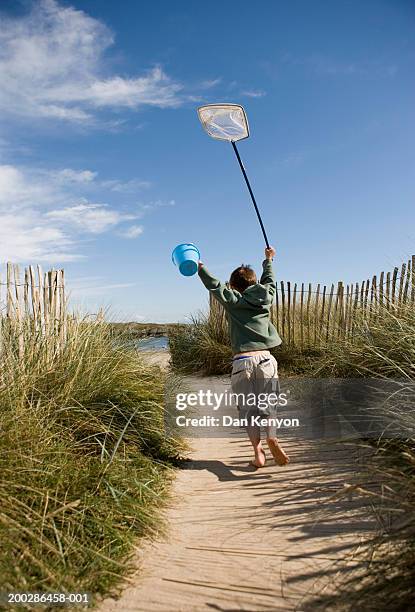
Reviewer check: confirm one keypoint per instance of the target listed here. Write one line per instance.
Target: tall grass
(203, 347)
(383, 346)
(384, 578)
(84, 460)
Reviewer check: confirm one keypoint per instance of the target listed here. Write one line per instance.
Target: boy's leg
(254, 434)
(269, 379)
(242, 386)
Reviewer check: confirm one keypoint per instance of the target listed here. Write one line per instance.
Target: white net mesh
(224, 121)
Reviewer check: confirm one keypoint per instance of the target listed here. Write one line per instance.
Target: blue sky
(104, 167)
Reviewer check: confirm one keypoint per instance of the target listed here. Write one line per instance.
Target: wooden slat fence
(310, 315)
(320, 313)
(33, 305)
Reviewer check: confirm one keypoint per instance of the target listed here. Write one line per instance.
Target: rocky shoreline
(144, 330)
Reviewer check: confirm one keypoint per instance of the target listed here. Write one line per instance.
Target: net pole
(250, 192)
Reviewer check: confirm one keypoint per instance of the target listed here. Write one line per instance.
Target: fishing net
(224, 121)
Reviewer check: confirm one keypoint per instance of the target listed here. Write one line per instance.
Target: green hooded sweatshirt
(248, 313)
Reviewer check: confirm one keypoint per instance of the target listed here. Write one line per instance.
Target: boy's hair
(242, 278)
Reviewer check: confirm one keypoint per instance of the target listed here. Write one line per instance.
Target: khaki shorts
(253, 379)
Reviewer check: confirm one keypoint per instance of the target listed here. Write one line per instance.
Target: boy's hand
(270, 253)
(199, 265)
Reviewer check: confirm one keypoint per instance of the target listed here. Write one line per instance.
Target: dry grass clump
(203, 346)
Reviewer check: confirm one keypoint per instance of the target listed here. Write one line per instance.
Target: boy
(254, 370)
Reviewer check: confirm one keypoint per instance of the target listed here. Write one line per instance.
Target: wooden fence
(308, 315)
(32, 302)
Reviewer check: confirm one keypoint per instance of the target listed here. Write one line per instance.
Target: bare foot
(280, 456)
(260, 459)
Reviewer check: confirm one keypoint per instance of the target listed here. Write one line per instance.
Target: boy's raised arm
(268, 276)
(221, 292)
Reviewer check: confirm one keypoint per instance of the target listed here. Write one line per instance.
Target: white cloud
(52, 65)
(68, 175)
(20, 189)
(26, 237)
(132, 232)
(43, 216)
(88, 177)
(253, 93)
(92, 218)
(210, 83)
(150, 206)
(127, 186)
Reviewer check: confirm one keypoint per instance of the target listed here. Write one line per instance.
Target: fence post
(401, 283)
(294, 313)
(316, 305)
(275, 310)
(289, 311)
(301, 315)
(308, 315)
(381, 292)
(321, 323)
(413, 279)
(346, 309)
(394, 277)
(355, 306)
(283, 309)
(407, 281)
(9, 295)
(329, 311)
(388, 290)
(373, 296)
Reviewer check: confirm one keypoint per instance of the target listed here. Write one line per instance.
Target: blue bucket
(186, 257)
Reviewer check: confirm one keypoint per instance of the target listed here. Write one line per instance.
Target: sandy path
(241, 539)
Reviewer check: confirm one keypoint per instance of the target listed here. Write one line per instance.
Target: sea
(153, 343)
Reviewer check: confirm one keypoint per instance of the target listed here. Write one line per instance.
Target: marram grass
(384, 573)
(84, 459)
(203, 346)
